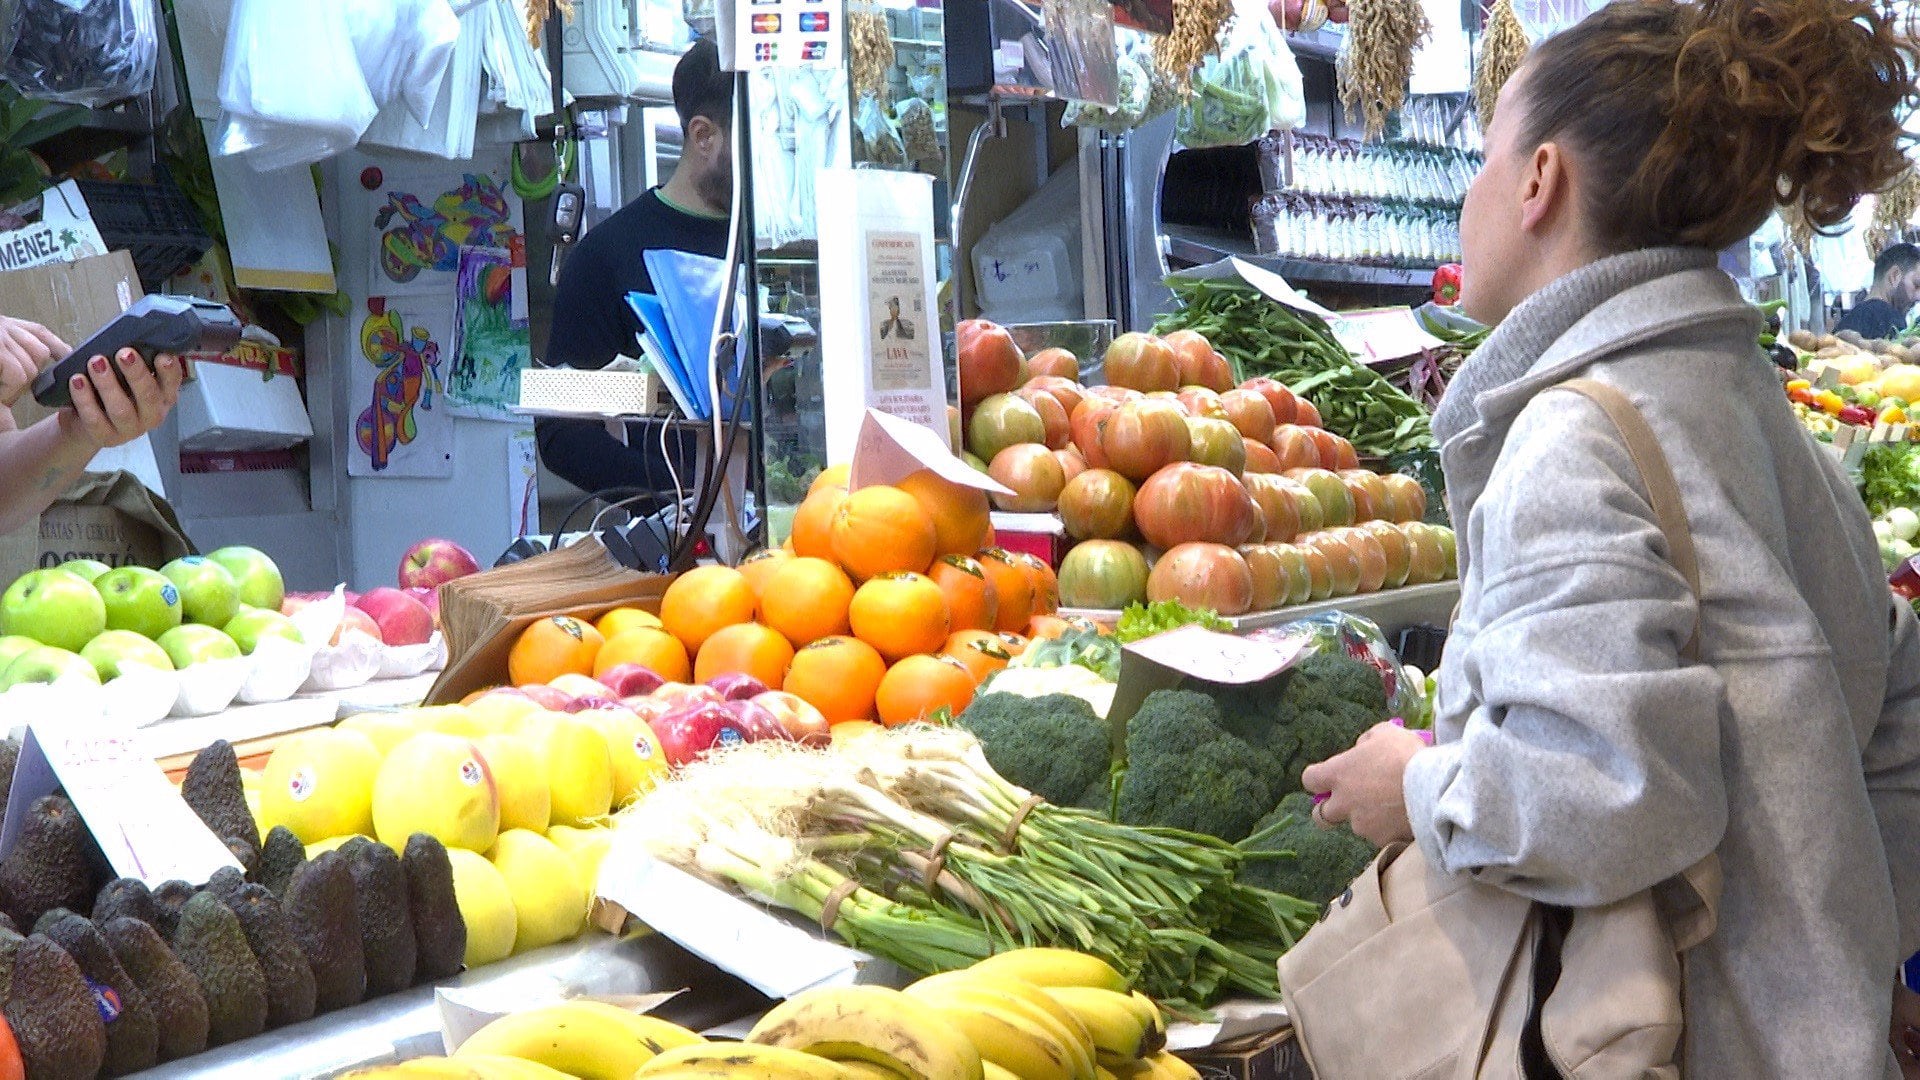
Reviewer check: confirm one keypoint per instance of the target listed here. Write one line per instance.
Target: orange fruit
(1046, 584)
(918, 686)
(622, 619)
(813, 522)
(880, 530)
(760, 565)
(959, 513)
(806, 599)
(1053, 626)
(551, 647)
(840, 476)
(981, 651)
(971, 601)
(838, 676)
(747, 648)
(649, 647)
(1012, 587)
(900, 614)
(703, 600)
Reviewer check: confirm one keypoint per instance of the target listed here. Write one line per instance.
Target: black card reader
(153, 325)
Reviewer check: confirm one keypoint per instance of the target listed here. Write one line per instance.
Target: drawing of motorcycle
(418, 237)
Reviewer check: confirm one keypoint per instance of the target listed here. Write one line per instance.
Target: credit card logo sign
(766, 24)
(766, 52)
(814, 50)
(814, 22)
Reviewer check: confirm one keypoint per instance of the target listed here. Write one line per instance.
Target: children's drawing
(404, 428)
(422, 223)
(490, 346)
(523, 483)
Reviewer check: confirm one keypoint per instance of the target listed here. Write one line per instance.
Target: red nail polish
(78, 381)
(99, 363)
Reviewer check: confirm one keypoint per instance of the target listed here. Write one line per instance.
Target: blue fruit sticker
(105, 1000)
(170, 594)
(729, 737)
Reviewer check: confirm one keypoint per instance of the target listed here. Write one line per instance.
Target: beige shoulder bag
(1416, 974)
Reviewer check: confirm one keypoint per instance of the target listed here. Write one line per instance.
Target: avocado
(210, 942)
(48, 919)
(279, 857)
(126, 897)
(168, 899)
(290, 989)
(10, 942)
(213, 788)
(172, 992)
(133, 1034)
(438, 929)
(386, 926)
(9, 757)
(325, 921)
(54, 1018)
(225, 882)
(48, 867)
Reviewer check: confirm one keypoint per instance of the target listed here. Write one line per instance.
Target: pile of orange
(887, 603)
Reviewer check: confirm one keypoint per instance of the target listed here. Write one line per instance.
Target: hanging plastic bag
(403, 48)
(87, 52)
(291, 91)
(1251, 87)
(878, 135)
(1135, 88)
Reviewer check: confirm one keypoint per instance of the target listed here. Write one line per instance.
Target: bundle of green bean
(1261, 337)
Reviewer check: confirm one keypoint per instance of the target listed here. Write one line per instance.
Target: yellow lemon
(520, 776)
(487, 906)
(549, 903)
(319, 784)
(439, 785)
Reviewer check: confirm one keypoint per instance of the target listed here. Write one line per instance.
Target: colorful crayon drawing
(490, 347)
(406, 362)
(420, 237)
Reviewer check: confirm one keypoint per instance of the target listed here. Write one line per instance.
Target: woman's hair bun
(1696, 119)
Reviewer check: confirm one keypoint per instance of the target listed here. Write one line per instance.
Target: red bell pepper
(1446, 285)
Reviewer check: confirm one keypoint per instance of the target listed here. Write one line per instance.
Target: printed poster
(490, 346)
(403, 422)
(900, 359)
(421, 220)
(523, 483)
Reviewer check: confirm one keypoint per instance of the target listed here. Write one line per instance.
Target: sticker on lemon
(319, 784)
(439, 785)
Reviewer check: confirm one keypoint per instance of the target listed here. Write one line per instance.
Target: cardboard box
(111, 518)
(1274, 1056)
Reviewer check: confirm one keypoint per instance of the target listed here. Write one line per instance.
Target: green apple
(140, 600)
(53, 607)
(258, 577)
(46, 664)
(112, 652)
(208, 594)
(254, 625)
(11, 646)
(191, 643)
(90, 569)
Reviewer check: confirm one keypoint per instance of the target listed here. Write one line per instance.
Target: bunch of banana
(482, 1067)
(590, 1040)
(869, 1025)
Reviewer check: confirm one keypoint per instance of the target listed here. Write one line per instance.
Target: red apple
(803, 722)
(547, 697)
(353, 619)
(737, 686)
(574, 685)
(682, 693)
(759, 720)
(402, 619)
(430, 564)
(594, 703)
(429, 598)
(632, 680)
(690, 729)
(645, 707)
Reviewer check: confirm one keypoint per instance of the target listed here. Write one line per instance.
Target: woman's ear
(1546, 190)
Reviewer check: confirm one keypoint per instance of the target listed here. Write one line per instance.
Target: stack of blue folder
(677, 328)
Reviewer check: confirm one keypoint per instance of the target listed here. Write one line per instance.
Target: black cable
(612, 494)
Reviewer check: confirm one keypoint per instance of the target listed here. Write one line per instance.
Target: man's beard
(716, 187)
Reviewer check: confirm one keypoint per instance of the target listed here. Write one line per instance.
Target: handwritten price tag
(141, 823)
(1215, 657)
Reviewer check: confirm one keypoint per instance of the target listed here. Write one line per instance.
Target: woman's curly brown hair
(1697, 119)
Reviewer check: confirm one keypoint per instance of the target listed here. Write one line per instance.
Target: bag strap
(1692, 912)
(1662, 490)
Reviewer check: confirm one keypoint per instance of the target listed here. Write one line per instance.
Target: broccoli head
(1054, 746)
(1324, 861)
(1186, 770)
(1354, 681)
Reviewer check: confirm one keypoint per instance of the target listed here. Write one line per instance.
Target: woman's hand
(1905, 1032)
(1362, 787)
(105, 414)
(25, 348)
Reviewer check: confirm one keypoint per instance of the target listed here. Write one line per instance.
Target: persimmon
(879, 530)
(813, 522)
(900, 614)
(651, 648)
(919, 686)
(959, 513)
(971, 600)
(981, 651)
(703, 600)
(837, 675)
(747, 649)
(1012, 586)
(760, 565)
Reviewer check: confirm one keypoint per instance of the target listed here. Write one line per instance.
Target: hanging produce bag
(85, 52)
(1251, 87)
(291, 87)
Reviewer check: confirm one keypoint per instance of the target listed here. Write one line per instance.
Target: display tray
(252, 728)
(1393, 610)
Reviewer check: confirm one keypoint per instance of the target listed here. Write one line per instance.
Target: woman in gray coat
(1579, 758)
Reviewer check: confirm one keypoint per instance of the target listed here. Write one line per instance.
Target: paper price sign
(141, 823)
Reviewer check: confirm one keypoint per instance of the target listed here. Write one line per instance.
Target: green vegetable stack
(1261, 337)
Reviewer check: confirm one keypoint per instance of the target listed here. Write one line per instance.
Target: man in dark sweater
(592, 322)
(1896, 278)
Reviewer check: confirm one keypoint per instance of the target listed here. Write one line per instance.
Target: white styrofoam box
(230, 408)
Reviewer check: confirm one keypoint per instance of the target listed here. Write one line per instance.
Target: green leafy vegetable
(1890, 476)
(1090, 649)
(1145, 620)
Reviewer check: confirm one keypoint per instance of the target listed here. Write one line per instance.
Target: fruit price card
(142, 824)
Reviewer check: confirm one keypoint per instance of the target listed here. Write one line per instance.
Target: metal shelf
(1393, 610)
(1322, 44)
(1198, 247)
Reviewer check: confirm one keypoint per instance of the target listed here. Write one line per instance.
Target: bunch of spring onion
(941, 847)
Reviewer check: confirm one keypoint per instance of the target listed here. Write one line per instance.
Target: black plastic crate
(154, 222)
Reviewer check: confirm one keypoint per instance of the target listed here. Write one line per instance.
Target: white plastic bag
(88, 52)
(291, 91)
(403, 47)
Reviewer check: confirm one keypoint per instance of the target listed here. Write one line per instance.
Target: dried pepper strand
(1195, 36)
(1378, 58)
(1502, 49)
